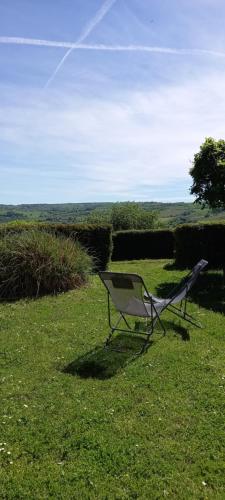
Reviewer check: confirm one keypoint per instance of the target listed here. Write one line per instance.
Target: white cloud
(124, 142)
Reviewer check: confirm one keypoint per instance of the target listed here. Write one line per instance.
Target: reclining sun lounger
(130, 297)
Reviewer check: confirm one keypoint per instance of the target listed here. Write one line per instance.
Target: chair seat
(164, 302)
(144, 309)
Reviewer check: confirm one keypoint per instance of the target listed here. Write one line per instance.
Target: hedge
(136, 244)
(97, 239)
(200, 241)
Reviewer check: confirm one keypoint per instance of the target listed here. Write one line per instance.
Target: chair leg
(161, 324)
(112, 328)
(128, 326)
(185, 316)
(146, 345)
(147, 342)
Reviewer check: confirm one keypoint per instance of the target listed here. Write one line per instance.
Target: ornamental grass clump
(35, 263)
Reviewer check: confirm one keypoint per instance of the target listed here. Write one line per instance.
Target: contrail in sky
(84, 34)
(111, 48)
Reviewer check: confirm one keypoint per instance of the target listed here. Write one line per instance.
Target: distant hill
(170, 214)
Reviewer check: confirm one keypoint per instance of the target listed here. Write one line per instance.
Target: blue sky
(107, 100)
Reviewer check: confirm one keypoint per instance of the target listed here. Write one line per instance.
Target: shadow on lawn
(183, 332)
(208, 291)
(102, 363)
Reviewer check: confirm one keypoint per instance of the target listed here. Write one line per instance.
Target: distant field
(170, 214)
(81, 422)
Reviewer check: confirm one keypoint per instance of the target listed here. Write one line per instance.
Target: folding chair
(126, 292)
(179, 295)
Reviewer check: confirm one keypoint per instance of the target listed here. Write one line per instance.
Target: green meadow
(81, 422)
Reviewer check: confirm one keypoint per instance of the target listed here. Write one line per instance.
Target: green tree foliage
(208, 173)
(131, 215)
(125, 215)
(98, 216)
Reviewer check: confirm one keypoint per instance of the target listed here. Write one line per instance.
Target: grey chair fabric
(126, 291)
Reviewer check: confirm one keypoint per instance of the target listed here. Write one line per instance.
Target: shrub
(200, 241)
(34, 263)
(131, 245)
(97, 239)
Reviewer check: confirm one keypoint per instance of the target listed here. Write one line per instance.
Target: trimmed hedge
(200, 241)
(96, 239)
(136, 244)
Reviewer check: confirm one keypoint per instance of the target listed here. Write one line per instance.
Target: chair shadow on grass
(103, 363)
(181, 330)
(208, 292)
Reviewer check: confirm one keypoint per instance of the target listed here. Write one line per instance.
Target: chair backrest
(181, 291)
(126, 292)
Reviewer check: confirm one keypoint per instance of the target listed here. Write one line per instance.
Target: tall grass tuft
(35, 263)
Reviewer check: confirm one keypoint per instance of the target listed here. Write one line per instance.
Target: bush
(34, 263)
(131, 245)
(200, 241)
(97, 239)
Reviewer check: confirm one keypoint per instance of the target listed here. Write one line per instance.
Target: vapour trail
(96, 19)
(84, 34)
(111, 48)
(58, 67)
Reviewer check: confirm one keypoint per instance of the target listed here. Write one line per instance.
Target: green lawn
(81, 422)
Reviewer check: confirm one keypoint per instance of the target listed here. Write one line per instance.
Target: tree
(125, 215)
(131, 215)
(208, 173)
(98, 216)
